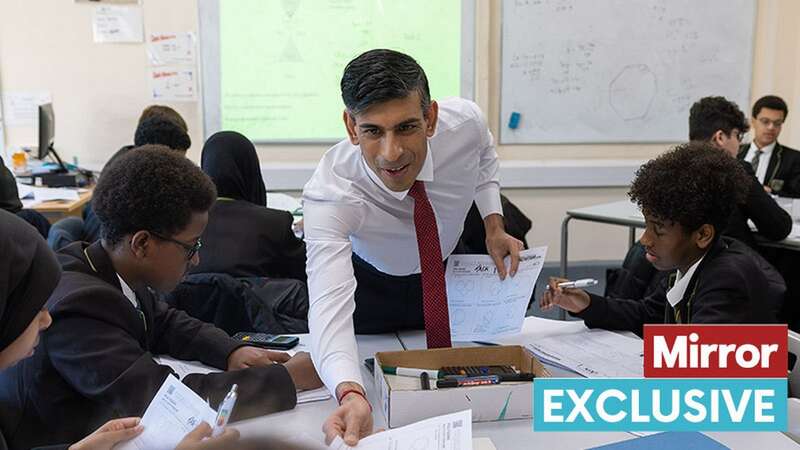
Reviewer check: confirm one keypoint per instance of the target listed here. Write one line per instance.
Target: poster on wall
(165, 49)
(117, 2)
(173, 84)
(117, 24)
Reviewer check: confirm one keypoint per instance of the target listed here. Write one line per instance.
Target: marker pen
(577, 284)
(225, 409)
(467, 381)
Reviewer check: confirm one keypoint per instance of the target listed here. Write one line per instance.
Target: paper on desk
(43, 194)
(171, 48)
(183, 368)
(277, 200)
(481, 306)
(173, 83)
(175, 411)
(448, 432)
(593, 353)
(22, 108)
(115, 24)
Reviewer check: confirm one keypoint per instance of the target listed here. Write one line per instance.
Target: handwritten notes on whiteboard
(115, 24)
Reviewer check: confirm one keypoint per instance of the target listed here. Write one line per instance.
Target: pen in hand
(577, 284)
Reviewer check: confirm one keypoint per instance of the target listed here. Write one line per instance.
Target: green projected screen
(280, 61)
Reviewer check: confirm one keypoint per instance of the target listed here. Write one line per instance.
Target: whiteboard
(602, 71)
(271, 68)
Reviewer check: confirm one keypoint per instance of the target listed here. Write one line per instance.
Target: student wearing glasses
(95, 362)
(777, 167)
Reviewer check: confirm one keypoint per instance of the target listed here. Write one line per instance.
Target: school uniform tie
(434, 292)
(755, 160)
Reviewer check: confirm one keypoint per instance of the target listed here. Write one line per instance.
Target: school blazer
(784, 167)
(771, 221)
(95, 362)
(732, 285)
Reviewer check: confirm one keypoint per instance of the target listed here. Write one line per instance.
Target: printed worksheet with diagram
(482, 306)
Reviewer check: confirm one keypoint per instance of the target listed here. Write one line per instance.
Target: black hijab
(29, 273)
(9, 197)
(231, 161)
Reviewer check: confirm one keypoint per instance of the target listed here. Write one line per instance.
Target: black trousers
(386, 303)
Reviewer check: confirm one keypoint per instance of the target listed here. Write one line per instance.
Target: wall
(99, 90)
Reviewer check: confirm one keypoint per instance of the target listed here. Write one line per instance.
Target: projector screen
(271, 68)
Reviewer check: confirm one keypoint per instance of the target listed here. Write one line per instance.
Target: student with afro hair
(687, 196)
(95, 363)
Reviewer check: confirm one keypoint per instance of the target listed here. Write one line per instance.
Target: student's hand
(200, 439)
(573, 300)
(352, 421)
(500, 244)
(110, 434)
(248, 356)
(302, 371)
(768, 189)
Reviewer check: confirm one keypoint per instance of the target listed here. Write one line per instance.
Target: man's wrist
(493, 223)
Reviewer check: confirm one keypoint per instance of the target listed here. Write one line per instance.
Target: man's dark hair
(771, 102)
(160, 131)
(151, 188)
(710, 114)
(381, 75)
(692, 184)
(164, 112)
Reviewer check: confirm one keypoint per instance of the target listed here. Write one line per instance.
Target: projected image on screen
(281, 60)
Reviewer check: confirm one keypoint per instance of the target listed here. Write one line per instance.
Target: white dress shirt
(675, 294)
(346, 209)
(763, 161)
(128, 292)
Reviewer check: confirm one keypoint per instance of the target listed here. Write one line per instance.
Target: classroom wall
(99, 90)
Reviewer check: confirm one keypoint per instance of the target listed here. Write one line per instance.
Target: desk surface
(303, 425)
(627, 214)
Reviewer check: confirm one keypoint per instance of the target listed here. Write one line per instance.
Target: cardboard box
(403, 401)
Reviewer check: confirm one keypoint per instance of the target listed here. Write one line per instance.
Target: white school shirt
(675, 294)
(128, 292)
(763, 161)
(346, 209)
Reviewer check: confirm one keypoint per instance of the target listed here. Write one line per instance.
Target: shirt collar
(766, 150)
(425, 174)
(675, 294)
(128, 292)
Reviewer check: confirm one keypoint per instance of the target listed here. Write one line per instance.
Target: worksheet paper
(171, 49)
(115, 24)
(593, 353)
(448, 432)
(482, 306)
(175, 411)
(44, 194)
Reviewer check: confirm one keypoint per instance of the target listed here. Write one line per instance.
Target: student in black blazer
(779, 171)
(720, 122)
(244, 238)
(686, 195)
(95, 362)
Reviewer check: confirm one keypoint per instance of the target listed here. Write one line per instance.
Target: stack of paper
(448, 432)
(593, 353)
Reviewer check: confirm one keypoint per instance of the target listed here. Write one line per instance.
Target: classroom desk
(627, 214)
(56, 210)
(511, 434)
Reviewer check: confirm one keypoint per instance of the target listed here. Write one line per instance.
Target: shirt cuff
(338, 372)
(488, 201)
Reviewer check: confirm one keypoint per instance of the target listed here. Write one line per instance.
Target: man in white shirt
(383, 210)
(777, 167)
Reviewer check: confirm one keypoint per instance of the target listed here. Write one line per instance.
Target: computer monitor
(47, 131)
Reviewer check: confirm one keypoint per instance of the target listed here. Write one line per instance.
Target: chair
(794, 364)
(793, 411)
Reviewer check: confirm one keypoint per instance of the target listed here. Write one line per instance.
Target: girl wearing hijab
(29, 273)
(244, 238)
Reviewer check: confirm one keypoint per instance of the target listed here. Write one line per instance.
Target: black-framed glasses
(191, 250)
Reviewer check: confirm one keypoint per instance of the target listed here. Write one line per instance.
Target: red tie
(434, 293)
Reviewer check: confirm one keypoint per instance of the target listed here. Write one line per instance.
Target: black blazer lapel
(100, 263)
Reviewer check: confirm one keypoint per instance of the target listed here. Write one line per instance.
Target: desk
(55, 210)
(627, 214)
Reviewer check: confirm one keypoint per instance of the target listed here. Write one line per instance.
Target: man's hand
(200, 439)
(500, 244)
(768, 189)
(352, 421)
(248, 356)
(573, 300)
(302, 371)
(110, 434)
